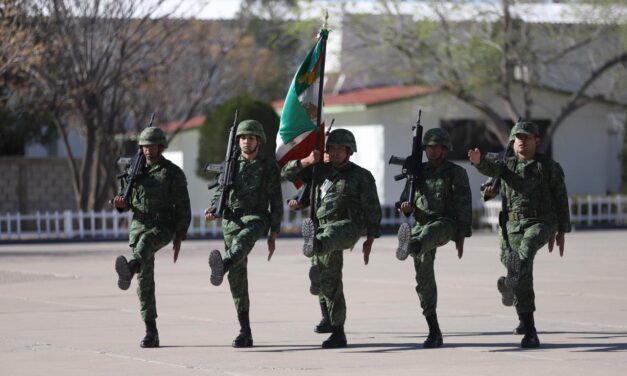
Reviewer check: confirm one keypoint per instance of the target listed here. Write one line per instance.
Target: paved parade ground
(61, 313)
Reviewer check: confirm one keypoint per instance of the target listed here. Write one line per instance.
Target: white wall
(186, 144)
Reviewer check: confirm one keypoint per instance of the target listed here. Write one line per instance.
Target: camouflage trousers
(424, 241)
(525, 238)
(238, 244)
(335, 237)
(145, 242)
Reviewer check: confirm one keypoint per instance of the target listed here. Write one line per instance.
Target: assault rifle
(412, 165)
(225, 170)
(132, 168)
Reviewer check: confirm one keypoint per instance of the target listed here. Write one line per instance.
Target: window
(472, 133)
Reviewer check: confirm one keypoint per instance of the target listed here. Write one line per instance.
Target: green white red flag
(302, 116)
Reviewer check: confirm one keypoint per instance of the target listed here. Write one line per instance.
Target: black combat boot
(314, 279)
(311, 244)
(434, 339)
(337, 338)
(520, 329)
(218, 267)
(530, 340)
(245, 337)
(325, 323)
(126, 270)
(152, 335)
(404, 238)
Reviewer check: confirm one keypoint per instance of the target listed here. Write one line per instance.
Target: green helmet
(342, 137)
(525, 127)
(152, 136)
(251, 127)
(437, 136)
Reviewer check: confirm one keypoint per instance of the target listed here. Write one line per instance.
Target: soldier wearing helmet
(347, 205)
(535, 212)
(161, 214)
(254, 207)
(442, 208)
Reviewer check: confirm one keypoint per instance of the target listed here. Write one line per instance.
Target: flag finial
(325, 24)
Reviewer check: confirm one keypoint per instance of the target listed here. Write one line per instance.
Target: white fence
(114, 225)
(585, 211)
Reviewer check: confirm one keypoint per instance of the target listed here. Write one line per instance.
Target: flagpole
(314, 188)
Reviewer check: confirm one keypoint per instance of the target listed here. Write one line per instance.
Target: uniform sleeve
(494, 169)
(182, 208)
(462, 202)
(369, 201)
(293, 171)
(560, 198)
(273, 189)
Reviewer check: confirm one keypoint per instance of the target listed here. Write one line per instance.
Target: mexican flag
(300, 124)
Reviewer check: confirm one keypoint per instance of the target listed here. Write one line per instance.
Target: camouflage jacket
(444, 192)
(533, 189)
(256, 188)
(346, 193)
(160, 194)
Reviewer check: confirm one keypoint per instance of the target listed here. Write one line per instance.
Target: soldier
(535, 213)
(161, 213)
(254, 205)
(348, 204)
(442, 208)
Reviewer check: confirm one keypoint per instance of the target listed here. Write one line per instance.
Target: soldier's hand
(367, 249)
(560, 239)
(459, 244)
(293, 204)
(474, 155)
(327, 158)
(551, 241)
(209, 216)
(311, 159)
(119, 202)
(489, 192)
(176, 246)
(271, 244)
(406, 207)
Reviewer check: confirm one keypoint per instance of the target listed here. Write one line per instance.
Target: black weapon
(226, 171)
(412, 165)
(133, 168)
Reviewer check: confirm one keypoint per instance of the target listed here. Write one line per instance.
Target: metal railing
(585, 211)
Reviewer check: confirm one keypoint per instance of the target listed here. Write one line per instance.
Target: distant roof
(369, 97)
(189, 124)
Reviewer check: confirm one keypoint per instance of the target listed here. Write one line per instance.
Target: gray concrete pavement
(62, 314)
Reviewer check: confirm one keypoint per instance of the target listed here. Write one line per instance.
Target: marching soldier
(254, 206)
(442, 208)
(347, 205)
(535, 212)
(161, 214)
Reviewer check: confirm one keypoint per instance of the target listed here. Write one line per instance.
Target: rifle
(412, 165)
(225, 170)
(133, 168)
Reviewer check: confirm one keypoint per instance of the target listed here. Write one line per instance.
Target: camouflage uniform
(257, 186)
(347, 205)
(535, 204)
(443, 212)
(161, 213)
(253, 206)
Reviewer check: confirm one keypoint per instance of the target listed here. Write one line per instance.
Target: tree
(463, 48)
(214, 131)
